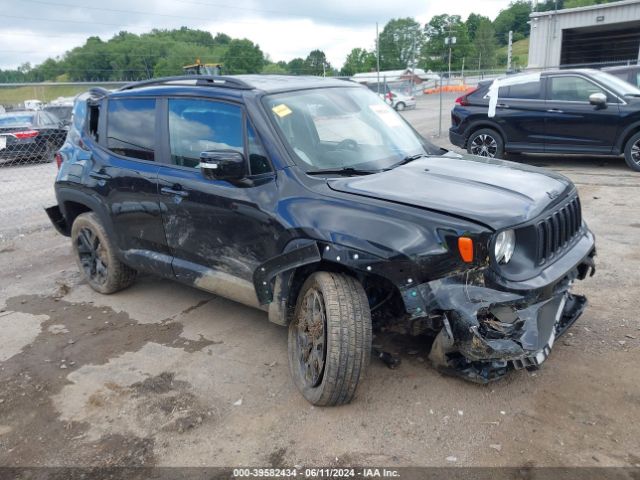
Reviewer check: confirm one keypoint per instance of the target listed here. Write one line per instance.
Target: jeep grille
(557, 230)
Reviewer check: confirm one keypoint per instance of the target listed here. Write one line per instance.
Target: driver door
(218, 231)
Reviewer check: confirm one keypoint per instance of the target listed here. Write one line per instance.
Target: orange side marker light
(465, 247)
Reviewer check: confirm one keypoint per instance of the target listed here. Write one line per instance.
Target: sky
(33, 30)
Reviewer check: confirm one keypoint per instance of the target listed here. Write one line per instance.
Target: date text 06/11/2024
(315, 472)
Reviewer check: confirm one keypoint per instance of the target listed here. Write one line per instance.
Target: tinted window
(258, 162)
(63, 112)
(526, 91)
(48, 119)
(572, 89)
(197, 126)
(131, 128)
(10, 120)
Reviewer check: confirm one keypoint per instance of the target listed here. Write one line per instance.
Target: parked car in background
(563, 111)
(331, 214)
(61, 112)
(32, 104)
(628, 73)
(29, 135)
(401, 101)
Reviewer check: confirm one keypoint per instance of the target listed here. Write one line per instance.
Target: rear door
(124, 174)
(573, 125)
(520, 112)
(218, 231)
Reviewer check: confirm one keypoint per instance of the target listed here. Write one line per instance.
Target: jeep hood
(492, 192)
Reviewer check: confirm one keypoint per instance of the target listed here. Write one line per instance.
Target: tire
(486, 143)
(342, 340)
(632, 152)
(96, 256)
(400, 106)
(49, 154)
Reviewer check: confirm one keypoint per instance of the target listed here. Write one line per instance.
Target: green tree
(515, 18)
(221, 39)
(473, 22)
(243, 56)
(400, 41)
(275, 68)
(181, 54)
(359, 60)
(316, 63)
(435, 54)
(296, 66)
(485, 45)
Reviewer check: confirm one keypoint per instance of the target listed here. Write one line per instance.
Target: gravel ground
(166, 375)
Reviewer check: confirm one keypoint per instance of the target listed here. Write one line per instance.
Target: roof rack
(200, 80)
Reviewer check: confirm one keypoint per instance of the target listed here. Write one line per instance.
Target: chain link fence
(34, 120)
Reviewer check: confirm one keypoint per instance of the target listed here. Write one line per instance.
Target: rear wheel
(49, 153)
(486, 143)
(96, 256)
(632, 152)
(400, 106)
(330, 338)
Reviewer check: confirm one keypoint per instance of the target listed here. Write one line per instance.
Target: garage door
(601, 44)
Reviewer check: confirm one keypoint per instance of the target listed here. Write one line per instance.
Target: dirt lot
(163, 374)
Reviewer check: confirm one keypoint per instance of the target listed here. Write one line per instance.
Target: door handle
(554, 110)
(502, 105)
(99, 175)
(173, 191)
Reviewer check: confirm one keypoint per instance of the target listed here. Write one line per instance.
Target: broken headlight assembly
(504, 246)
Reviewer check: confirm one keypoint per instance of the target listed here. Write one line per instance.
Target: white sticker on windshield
(386, 114)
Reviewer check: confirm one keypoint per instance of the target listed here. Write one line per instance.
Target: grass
(44, 92)
(520, 53)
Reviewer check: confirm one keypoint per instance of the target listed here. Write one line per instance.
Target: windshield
(338, 128)
(622, 87)
(62, 112)
(12, 119)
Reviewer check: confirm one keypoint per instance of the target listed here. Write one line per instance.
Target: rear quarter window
(522, 91)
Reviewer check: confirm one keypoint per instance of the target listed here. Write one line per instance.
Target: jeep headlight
(504, 246)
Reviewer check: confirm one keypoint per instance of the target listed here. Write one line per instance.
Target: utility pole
(378, 59)
(413, 60)
(509, 50)
(449, 41)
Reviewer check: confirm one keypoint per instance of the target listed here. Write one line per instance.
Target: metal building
(597, 35)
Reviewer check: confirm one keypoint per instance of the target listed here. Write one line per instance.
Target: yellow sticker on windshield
(281, 110)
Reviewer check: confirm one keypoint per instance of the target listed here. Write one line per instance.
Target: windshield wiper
(407, 159)
(346, 171)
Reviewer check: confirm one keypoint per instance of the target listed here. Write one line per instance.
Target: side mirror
(222, 165)
(598, 99)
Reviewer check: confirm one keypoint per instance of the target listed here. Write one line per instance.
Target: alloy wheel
(635, 152)
(92, 254)
(311, 338)
(484, 145)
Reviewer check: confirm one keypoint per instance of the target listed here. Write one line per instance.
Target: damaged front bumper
(488, 329)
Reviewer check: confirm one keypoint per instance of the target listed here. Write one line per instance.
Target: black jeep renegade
(315, 201)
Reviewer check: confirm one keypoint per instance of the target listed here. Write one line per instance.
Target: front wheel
(632, 152)
(330, 338)
(486, 143)
(400, 106)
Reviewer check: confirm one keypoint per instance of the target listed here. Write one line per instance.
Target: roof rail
(200, 80)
